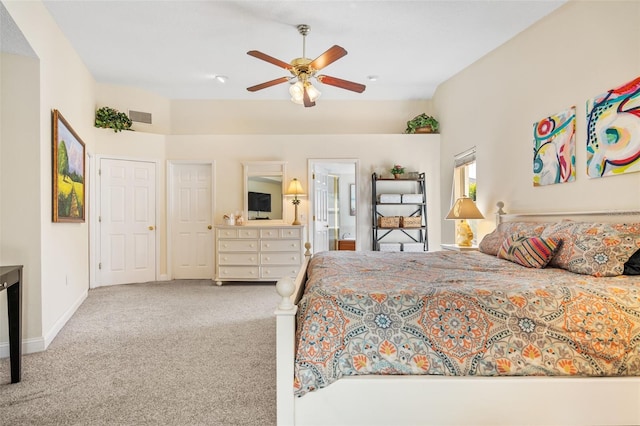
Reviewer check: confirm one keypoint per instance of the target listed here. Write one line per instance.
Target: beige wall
(19, 184)
(579, 51)
(61, 281)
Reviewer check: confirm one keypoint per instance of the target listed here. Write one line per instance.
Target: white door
(127, 221)
(191, 221)
(320, 210)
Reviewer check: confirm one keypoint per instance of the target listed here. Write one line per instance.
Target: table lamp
(295, 189)
(464, 208)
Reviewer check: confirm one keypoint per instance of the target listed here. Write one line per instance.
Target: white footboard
(291, 291)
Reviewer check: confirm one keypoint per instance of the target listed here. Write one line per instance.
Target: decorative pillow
(491, 243)
(563, 231)
(632, 266)
(532, 252)
(602, 249)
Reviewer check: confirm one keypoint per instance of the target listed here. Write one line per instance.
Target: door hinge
(314, 217)
(100, 265)
(99, 172)
(99, 218)
(314, 176)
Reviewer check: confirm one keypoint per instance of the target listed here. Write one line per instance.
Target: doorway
(333, 188)
(127, 221)
(190, 220)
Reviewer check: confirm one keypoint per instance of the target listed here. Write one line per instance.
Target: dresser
(258, 253)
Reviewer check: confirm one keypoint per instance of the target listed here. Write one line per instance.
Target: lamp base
(295, 220)
(464, 234)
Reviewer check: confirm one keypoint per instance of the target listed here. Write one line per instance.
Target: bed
(466, 347)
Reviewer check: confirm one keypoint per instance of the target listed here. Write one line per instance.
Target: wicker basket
(389, 222)
(411, 221)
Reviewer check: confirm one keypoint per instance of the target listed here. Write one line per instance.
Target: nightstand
(455, 247)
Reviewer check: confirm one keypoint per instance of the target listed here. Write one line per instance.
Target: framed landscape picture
(68, 172)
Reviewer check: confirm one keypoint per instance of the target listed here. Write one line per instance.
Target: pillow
(632, 266)
(491, 243)
(601, 249)
(532, 252)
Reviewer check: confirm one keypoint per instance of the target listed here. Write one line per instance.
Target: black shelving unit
(406, 209)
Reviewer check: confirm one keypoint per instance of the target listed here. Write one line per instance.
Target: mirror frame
(264, 168)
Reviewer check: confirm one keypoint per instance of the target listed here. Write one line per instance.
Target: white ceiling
(174, 48)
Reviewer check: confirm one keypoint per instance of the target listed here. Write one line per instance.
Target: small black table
(11, 279)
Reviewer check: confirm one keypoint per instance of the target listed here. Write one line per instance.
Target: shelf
(417, 234)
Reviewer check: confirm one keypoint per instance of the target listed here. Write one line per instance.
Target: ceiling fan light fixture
(297, 92)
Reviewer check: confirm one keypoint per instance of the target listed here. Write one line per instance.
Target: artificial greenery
(422, 120)
(397, 169)
(109, 118)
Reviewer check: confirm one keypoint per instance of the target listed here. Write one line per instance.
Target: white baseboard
(41, 343)
(164, 277)
(53, 332)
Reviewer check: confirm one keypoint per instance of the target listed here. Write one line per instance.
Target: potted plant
(112, 119)
(397, 170)
(422, 123)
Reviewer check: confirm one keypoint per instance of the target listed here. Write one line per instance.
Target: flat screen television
(259, 202)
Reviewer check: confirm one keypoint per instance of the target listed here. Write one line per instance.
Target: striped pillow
(532, 252)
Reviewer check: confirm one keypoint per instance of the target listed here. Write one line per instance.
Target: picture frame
(68, 177)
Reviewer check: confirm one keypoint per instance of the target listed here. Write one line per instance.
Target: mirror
(263, 190)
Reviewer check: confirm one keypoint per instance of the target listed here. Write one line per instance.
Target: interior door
(320, 210)
(127, 221)
(191, 221)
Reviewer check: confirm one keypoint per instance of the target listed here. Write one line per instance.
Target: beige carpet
(170, 353)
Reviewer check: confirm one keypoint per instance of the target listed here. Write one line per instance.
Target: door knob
(209, 227)
(150, 227)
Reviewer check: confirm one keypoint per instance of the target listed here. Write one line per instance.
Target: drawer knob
(267, 258)
(267, 245)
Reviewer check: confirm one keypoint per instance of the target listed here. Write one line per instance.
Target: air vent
(140, 117)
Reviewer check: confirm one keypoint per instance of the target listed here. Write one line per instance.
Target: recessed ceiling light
(372, 77)
(221, 78)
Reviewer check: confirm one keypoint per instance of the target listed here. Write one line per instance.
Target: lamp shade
(464, 208)
(295, 188)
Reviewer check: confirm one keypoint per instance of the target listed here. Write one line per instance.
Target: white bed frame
(438, 400)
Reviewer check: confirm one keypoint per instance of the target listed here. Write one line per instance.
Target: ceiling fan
(303, 69)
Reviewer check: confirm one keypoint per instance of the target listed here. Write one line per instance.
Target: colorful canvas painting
(554, 148)
(613, 131)
(68, 172)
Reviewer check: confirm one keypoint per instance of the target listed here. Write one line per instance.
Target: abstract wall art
(613, 131)
(554, 148)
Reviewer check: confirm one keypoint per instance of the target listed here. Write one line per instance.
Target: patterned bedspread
(461, 313)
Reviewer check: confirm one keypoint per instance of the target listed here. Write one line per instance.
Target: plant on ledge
(397, 170)
(422, 123)
(109, 118)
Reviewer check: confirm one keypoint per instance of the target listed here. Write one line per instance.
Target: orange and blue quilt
(460, 313)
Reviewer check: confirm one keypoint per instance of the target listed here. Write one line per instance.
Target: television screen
(259, 202)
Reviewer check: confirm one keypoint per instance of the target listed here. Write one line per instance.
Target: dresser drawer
(227, 233)
(277, 258)
(237, 245)
(277, 272)
(237, 258)
(247, 233)
(280, 233)
(239, 272)
(280, 245)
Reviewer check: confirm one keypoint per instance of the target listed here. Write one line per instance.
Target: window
(464, 175)
(464, 181)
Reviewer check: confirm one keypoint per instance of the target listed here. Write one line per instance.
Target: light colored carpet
(167, 353)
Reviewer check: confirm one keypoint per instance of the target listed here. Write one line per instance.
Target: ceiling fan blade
(270, 59)
(343, 84)
(306, 99)
(268, 84)
(330, 56)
